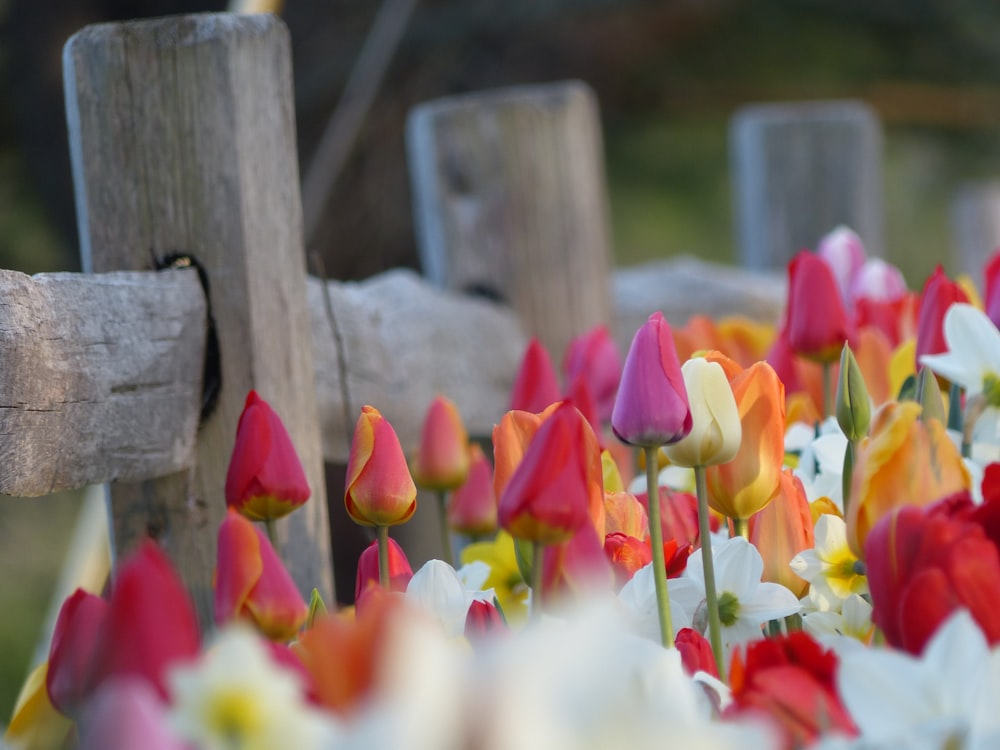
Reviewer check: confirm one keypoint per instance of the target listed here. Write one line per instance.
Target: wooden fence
(182, 141)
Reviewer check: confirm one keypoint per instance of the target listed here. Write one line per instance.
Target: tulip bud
(380, 490)
(715, 432)
(400, 570)
(843, 251)
(651, 408)
(627, 554)
(547, 498)
(991, 274)
(853, 404)
(928, 395)
(595, 357)
(696, 652)
(265, 478)
(442, 461)
(473, 506)
(817, 322)
(71, 654)
(536, 385)
(483, 619)
(252, 584)
(939, 293)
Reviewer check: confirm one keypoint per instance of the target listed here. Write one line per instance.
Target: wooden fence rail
(182, 139)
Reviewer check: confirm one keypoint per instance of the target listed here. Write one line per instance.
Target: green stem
(846, 478)
(382, 535)
(711, 597)
(656, 542)
(272, 532)
(741, 527)
(827, 397)
(445, 531)
(536, 580)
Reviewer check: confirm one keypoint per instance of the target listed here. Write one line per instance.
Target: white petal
(771, 601)
(884, 691)
(955, 367)
(738, 567)
(969, 331)
(436, 588)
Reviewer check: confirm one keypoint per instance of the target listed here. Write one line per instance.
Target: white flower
(946, 698)
(639, 598)
(745, 603)
(236, 698)
(973, 357)
(848, 628)
(438, 589)
(830, 566)
(821, 465)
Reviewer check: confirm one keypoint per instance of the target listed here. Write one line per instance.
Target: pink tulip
(536, 385)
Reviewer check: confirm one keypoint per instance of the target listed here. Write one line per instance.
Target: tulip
(896, 319)
(473, 507)
(903, 461)
(70, 673)
(744, 485)
(790, 681)
(536, 385)
(939, 293)
(252, 584)
(442, 461)
(546, 500)
(627, 554)
(511, 436)
(594, 355)
(380, 490)
(125, 714)
(714, 437)
(580, 393)
(400, 571)
(878, 281)
(991, 274)
(852, 401)
(265, 479)
(35, 722)
(150, 625)
(678, 516)
(577, 567)
(651, 408)
(923, 564)
(843, 251)
(816, 318)
(783, 529)
(483, 619)
(625, 514)
(696, 653)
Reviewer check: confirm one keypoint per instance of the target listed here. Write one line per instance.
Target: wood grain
(509, 196)
(182, 138)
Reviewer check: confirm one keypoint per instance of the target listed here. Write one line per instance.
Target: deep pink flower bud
(536, 385)
(991, 274)
(483, 619)
(696, 652)
(817, 321)
(939, 293)
(651, 408)
(473, 506)
(595, 356)
(400, 571)
(71, 654)
(265, 478)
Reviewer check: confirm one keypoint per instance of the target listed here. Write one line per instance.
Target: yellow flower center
(729, 608)
(234, 716)
(991, 389)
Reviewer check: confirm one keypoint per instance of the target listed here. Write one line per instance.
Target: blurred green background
(669, 75)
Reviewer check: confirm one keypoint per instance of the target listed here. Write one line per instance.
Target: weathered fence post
(182, 139)
(509, 196)
(975, 221)
(799, 171)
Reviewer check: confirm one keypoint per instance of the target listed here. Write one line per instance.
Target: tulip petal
(239, 566)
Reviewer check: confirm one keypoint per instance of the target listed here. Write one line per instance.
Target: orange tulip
(625, 515)
(746, 484)
(380, 490)
(783, 529)
(904, 461)
(442, 461)
(874, 354)
(252, 584)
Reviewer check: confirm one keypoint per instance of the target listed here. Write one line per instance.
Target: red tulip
(473, 506)
(483, 619)
(627, 555)
(791, 681)
(696, 652)
(678, 516)
(651, 408)
(547, 498)
(400, 571)
(70, 675)
(595, 356)
(442, 461)
(536, 385)
(252, 584)
(265, 478)
(939, 293)
(150, 625)
(991, 273)
(924, 563)
(817, 321)
(380, 490)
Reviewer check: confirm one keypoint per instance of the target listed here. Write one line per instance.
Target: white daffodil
(745, 602)
(639, 598)
(973, 357)
(830, 566)
(849, 628)
(946, 698)
(439, 590)
(236, 698)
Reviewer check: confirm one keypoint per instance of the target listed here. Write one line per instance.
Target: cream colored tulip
(715, 431)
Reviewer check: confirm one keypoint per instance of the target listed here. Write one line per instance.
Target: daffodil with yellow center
(505, 577)
(832, 569)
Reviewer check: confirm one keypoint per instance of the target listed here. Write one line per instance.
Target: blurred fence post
(182, 134)
(975, 221)
(510, 197)
(800, 170)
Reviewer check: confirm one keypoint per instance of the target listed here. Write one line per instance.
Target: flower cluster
(732, 536)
